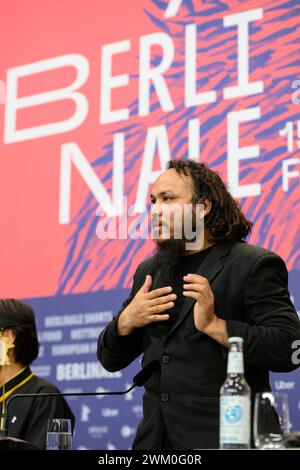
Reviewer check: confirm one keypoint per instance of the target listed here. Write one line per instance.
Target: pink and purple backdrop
(65, 109)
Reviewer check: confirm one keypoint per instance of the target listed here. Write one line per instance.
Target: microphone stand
(139, 379)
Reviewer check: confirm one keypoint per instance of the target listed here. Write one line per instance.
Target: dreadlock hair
(225, 221)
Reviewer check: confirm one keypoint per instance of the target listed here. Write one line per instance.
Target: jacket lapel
(210, 268)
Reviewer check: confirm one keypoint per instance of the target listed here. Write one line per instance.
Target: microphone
(138, 380)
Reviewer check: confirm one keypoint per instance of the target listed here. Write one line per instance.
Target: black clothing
(251, 294)
(185, 265)
(28, 417)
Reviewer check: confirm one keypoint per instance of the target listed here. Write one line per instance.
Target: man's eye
(167, 198)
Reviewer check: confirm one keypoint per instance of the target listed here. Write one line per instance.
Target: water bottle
(235, 409)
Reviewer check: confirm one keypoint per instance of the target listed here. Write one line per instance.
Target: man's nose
(156, 210)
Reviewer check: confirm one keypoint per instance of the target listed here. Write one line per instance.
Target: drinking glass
(271, 420)
(59, 434)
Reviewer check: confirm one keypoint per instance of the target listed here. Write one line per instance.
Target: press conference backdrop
(96, 97)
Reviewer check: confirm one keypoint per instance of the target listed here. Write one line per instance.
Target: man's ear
(207, 206)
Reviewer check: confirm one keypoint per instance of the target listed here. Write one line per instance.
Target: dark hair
(225, 221)
(20, 319)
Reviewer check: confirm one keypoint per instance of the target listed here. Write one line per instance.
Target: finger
(159, 292)
(155, 318)
(193, 295)
(195, 278)
(195, 287)
(162, 300)
(147, 284)
(161, 308)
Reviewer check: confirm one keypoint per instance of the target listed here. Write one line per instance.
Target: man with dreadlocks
(186, 301)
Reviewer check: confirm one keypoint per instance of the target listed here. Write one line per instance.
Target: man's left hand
(197, 287)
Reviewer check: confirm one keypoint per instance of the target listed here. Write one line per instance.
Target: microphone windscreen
(145, 374)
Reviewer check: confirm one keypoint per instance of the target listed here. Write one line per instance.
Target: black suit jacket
(250, 289)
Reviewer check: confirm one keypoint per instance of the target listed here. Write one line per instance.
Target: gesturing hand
(146, 307)
(197, 287)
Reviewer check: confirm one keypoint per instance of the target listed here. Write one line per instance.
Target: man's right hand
(145, 308)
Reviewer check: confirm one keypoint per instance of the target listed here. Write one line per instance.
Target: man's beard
(167, 254)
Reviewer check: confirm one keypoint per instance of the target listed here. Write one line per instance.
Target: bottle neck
(235, 363)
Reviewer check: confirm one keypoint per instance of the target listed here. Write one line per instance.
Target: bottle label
(235, 420)
(235, 363)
